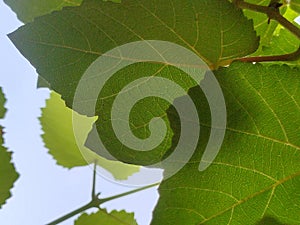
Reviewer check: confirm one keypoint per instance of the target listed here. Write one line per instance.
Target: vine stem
(96, 202)
(286, 57)
(271, 12)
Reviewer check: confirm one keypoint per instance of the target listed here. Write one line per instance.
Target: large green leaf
(8, 174)
(83, 33)
(256, 174)
(69, 152)
(74, 37)
(102, 217)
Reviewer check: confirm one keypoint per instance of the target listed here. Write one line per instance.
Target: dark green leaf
(74, 37)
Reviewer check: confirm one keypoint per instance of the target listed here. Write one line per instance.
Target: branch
(96, 202)
(271, 12)
(286, 57)
(73, 213)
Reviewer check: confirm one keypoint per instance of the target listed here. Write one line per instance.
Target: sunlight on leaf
(102, 217)
(56, 121)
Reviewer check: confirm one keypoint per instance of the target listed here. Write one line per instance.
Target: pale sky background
(44, 190)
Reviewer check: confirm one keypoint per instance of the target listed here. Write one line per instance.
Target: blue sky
(44, 190)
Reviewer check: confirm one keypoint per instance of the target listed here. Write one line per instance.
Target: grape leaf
(103, 217)
(81, 36)
(56, 121)
(8, 174)
(74, 37)
(295, 5)
(257, 172)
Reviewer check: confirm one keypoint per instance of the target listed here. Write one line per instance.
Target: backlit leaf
(69, 152)
(102, 217)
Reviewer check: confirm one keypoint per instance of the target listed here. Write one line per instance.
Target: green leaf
(74, 37)
(295, 5)
(81, 36)
(284, 43)
(102, 217)
(59, 138)
(257, 171)
(27, 10)
(8, 174)
(140, 114)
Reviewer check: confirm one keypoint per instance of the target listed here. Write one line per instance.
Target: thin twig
(94, 180)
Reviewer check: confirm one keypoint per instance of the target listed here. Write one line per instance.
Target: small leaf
(8, 174)
(257, 171)
(59, 138)
(102, 217)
